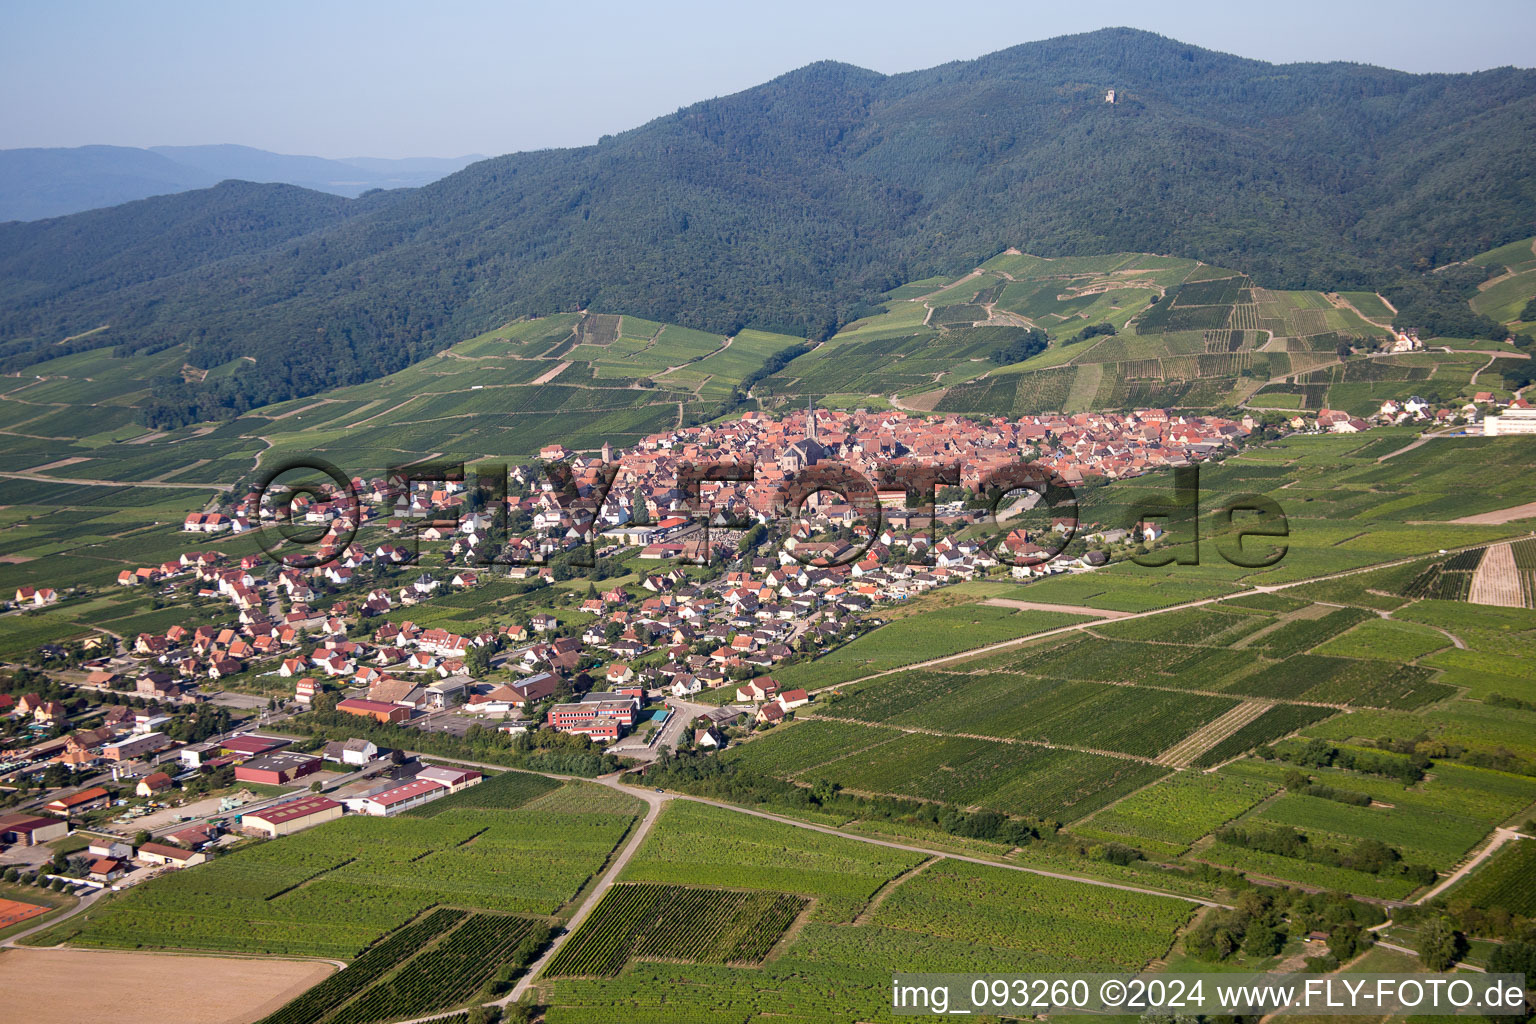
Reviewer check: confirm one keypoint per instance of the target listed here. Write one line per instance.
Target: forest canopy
(792, 205)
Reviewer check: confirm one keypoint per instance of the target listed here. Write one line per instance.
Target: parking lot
(446, 721)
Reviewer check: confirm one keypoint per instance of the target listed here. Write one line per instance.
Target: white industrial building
(1509, 422)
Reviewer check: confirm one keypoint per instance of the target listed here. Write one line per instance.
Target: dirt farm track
(43, 986)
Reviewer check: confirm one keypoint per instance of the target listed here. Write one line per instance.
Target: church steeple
(810, 415)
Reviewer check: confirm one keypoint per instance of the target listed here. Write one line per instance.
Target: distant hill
(38, 183)
(794, 205)
(1019, 335)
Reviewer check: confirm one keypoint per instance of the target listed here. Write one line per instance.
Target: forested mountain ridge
(56, 182)
(106, 252)
(792, 204)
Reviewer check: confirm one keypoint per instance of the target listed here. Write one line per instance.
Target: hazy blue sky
(384, 78)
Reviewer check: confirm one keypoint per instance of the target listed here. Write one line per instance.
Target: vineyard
(1524, 552)
(950, 916)
(675, 922)
(807, 744)
(1508, 880)
(334, 890)
(1091, 715)
(1009, 778)
(326, 997)
(919, 637)
(1192, 626)
(1438, 838)
(1449, 580)
(1305, 872)
(502, 791)
(710, 847)
(1177, 811)
(450, 972)
(1329, 680)
(1386, 639)
(1069, 925)
(1122, 688)
(1303, 634)
(1280, 720)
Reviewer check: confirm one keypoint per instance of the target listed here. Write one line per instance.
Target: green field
(431, 965)
(1071, 714)
(1386, 640)
(1015, 779)
(922, 636)
(1142, 686)
(1507, 880)
(946, 915)
(334, 889)
(710, 847)
(1171, 815)
(1434, 822)
(644, 921)
(476, 398)
(1186, 335)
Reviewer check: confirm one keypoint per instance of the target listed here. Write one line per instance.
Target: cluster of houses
(773, 703)
(1076, 447)
(667, 632)
(108, 858)
(1485, 407)
(35, 597)
(121, 737)
(259, 759)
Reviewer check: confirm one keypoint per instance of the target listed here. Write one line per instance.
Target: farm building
(171, 856)
(106, 869)
(278, 768)
(135, 746)
(758, 690)
(251, 746)
(194, 837)
(392, 801)
(454, 778)
(791, 699)
(150, 785)
(79, 803)
(117, 849)
(376, 710)
(291, 816)
(1510, 422)
(30, 829)
(353, 751)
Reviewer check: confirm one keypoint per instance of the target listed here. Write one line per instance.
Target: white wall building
(1509, 422)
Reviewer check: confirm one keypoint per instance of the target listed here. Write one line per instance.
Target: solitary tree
(1439, 945)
